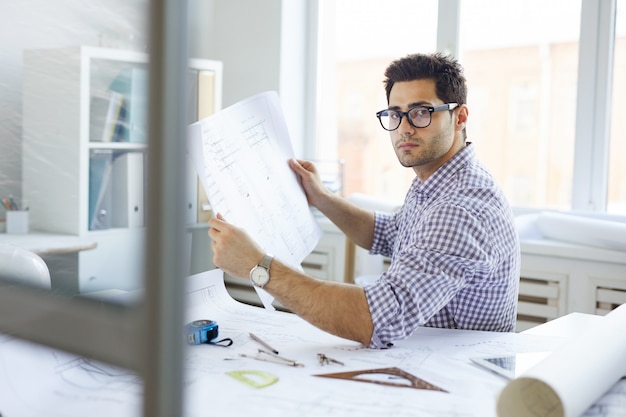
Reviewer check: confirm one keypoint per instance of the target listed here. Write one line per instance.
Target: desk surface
(220, 380)
(49, 243)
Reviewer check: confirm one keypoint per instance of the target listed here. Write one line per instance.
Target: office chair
(23, 266)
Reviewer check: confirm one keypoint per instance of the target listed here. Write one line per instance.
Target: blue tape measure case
(201, 331)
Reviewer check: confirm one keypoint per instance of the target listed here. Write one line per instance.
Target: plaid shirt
(455, 256)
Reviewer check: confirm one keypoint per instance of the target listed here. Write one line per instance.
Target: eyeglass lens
(419, 116)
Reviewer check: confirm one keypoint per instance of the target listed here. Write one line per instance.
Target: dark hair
(447, 73)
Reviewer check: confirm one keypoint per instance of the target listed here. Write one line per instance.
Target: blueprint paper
(39, 381)
(241, 155)
(583, 230)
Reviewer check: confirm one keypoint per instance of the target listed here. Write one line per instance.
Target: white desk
(49, 243)
(441, 357)
(60, 252)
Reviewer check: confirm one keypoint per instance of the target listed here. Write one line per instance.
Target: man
(453, 247)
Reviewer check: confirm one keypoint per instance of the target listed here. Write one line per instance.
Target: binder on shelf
(98, 109)
(100, 194)
(206, 94)
(132, 84)
(206, 107)
(201, 94)
(191, 176)
(192, 96)
(128, 188)
(114, 125)
(106, 117)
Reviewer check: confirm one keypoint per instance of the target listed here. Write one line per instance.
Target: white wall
(245, 36)
(264, 46)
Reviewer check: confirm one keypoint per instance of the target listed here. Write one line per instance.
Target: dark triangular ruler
(414, 382)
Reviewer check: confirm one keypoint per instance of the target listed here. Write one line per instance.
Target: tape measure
(204, 331)
(201, 331)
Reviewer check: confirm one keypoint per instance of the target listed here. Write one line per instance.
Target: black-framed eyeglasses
(418, 116)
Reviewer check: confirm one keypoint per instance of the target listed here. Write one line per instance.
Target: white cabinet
(559, 278)
(556, 279)
(84, 154)
(327, 260)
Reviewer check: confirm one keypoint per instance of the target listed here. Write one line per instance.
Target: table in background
(60, 252)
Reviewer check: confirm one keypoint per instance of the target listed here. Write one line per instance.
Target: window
(526, 70)
(527, 109)
(358, 39)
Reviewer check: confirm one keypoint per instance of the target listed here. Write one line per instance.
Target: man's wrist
(260, 274)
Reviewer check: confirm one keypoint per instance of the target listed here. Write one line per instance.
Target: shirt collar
(446, 171)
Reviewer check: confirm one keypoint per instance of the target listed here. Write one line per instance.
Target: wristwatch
(260, 274)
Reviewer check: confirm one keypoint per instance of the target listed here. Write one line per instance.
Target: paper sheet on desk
(38, 381)
(241, 154)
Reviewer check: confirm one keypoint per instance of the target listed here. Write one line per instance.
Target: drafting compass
(264, 355)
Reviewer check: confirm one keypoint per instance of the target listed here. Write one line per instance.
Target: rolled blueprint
(588, 231)
(573, 377)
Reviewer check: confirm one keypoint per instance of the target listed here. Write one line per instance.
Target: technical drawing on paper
(241, 154)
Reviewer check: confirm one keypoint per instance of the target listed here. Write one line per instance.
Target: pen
(257, 339)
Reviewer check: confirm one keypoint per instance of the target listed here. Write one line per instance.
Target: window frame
(595, 78)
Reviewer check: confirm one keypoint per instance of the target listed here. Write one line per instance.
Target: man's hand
(234, 252)
(311, 181)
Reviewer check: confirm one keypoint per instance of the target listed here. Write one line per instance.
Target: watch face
(259, 276)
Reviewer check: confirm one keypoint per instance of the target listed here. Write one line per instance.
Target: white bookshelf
(59, 143)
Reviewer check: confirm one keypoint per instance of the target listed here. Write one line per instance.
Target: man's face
(423, 149)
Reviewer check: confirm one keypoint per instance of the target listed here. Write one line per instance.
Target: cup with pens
(16, 218)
